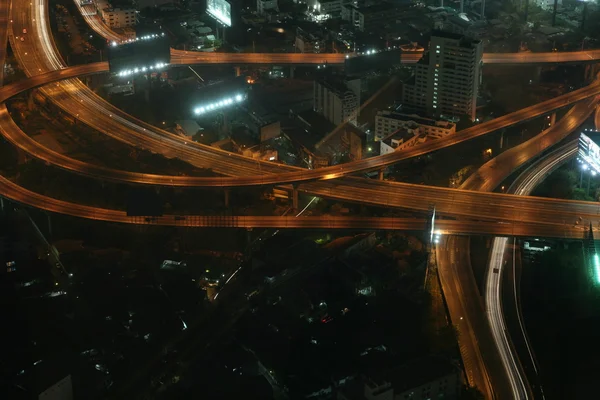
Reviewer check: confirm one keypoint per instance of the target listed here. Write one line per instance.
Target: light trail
(493, 299)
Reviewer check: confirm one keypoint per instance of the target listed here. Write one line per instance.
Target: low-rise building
(388, 122)
(374, 17)
(263, 5)
(260, 153)
(329, 7)
(423, 379)
(309, 42)
(127, 33)
(118, 17)
(400, 140)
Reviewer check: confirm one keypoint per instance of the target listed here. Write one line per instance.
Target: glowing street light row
(137, 39)
(238, 98)
(129, 72)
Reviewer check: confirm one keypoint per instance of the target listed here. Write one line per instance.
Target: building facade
(388, 122)
(372, 17)
(447, 78)
(309, 42)
(337, 100)
(329, 7)
(263, 5)
(119, 18)
(418, 380)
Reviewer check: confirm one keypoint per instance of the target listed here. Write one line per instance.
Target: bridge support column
(552, 119)
(226, 192)
(380, 174)
(238, 71)
(249, 237)
(2, 205)
(292, 70)
(49, 226)
(295, 197)
(590, 72)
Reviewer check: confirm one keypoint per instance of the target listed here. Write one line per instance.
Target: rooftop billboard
(589, 153)
(139, 55)
(220, 10)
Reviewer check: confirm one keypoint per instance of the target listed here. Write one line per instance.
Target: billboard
(220, 10)
(589, 153)
(141, 54)
(372, 60)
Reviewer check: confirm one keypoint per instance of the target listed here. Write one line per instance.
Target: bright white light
(593, 173)
(114, 44)
(585, 167)
(219, 104)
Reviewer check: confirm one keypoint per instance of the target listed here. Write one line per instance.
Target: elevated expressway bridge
(40, 55)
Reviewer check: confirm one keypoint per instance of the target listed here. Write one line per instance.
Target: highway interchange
(496, 214)
(73, 95)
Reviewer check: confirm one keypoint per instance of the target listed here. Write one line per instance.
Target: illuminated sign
(220, 10)
(238, 98)
(589, 154)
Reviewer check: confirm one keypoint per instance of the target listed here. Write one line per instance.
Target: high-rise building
(447, 77)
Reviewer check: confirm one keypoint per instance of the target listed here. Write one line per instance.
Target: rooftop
(383, 6)
(334, 83)
(415, 118)
(464, 41)
(400, 134)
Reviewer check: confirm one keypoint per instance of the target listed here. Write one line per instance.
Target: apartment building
(388, 122)
(447, 77)
(119, 18)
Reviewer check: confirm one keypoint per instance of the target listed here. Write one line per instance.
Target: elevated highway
(21, 195)
(192, 57)
(488, 355)
(73, 95)
(248, 170)
(75, 98)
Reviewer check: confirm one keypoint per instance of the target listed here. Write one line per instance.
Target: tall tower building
(447, 77)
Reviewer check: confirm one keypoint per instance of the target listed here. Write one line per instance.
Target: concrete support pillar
(538, 75)
(590, 72)
(2, 205)
(295, 197)
(226, 192)
(49, 226)
(552, 119)
(292, 70)
(249, 237)
(238, 71)
(380, 174)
